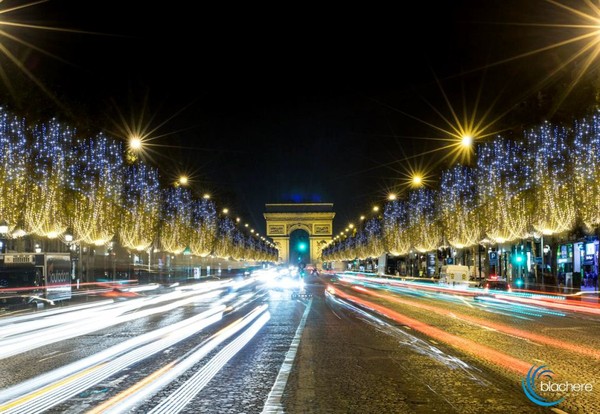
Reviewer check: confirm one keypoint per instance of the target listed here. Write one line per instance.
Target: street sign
(493, 258)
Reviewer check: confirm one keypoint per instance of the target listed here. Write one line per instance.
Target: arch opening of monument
(313, 220)
(299, 247)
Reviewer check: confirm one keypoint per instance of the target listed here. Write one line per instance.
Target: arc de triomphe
(316, 219)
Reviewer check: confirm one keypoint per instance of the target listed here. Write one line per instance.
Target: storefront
(431, 265)
(588, 260)
(564, 263)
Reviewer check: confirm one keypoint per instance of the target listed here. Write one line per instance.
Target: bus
(34, 279)
(457, 276)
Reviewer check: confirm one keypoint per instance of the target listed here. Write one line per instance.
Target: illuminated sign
(590, 249)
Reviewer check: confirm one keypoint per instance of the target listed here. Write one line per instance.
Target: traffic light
(519, 259)
(301, 247)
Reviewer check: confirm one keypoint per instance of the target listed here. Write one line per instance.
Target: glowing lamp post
(376, 210)
(188, 252)
(135, 143)
(417, 180)
(3, 233)
(135, 147)
(69, 241)
(466, 141)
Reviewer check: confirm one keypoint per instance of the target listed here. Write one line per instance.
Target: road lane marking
(273, 403)
(47, 389)
(529, 336)
(180, 398)
(134, 396)
(57, 386)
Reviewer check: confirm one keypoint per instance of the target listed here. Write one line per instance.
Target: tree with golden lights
(204, 218)
(238, 245)
(14, 176)
(554, 205)
(425, 232)
(46, 210)
(395, 224)
(98, 173)
(224, 240)
(502, 177)
(586, 170)
(176, 223)
(456, 205)
(142, 203)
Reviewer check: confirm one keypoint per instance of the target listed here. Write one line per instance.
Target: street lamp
(69, 240)
(466, 141)
(417, 180)
(3, 233)
(183, 180)
(135, 143)
(465, 144)
(135, 147)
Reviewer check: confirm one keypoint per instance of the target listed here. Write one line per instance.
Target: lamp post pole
(69, 241)
(479, 251)
(542, 254)
(3, 233)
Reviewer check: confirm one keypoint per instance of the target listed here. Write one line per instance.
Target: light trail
(6, 322)
(177, 401)
(519, 333)
(588, 308)
(37, 333)
(415, 343)
(145, 389)
(465, 345)
(55, 387)
(526, 297)
(273, 403)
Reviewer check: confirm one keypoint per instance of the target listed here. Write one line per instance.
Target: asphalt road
(360, 349)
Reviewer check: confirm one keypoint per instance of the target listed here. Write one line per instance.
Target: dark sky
(287, 101)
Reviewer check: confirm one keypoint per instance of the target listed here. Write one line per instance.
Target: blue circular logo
(528, 384)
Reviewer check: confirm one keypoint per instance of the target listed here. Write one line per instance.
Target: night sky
(294, 101)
